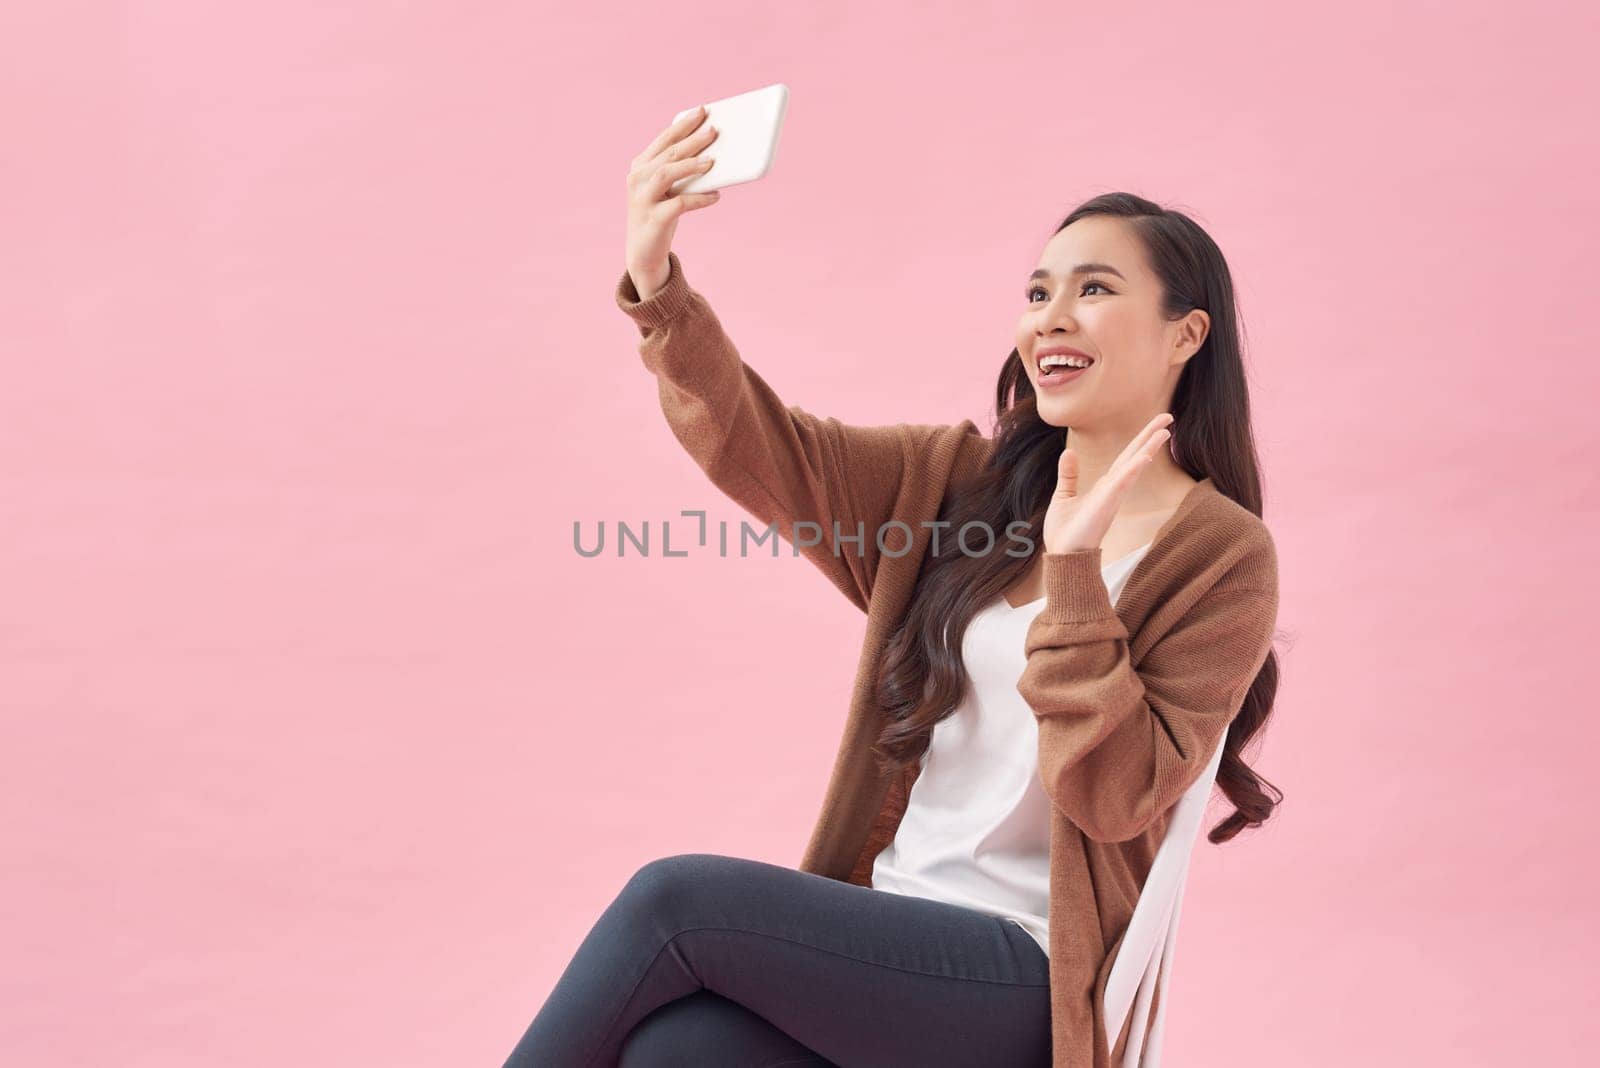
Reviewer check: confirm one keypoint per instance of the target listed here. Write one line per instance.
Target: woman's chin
(1053, 412)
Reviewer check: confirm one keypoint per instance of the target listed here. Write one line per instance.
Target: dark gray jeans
(722, 962)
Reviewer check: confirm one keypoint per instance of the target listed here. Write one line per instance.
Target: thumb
(1067, 473)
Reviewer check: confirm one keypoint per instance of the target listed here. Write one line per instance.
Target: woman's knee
(668, 885)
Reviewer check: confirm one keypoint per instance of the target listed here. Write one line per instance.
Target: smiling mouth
(1061, 368)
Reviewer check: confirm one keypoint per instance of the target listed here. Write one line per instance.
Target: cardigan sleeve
(780, 462)
(1118, 746)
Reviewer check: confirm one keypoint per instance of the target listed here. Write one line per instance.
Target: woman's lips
(1062, 376)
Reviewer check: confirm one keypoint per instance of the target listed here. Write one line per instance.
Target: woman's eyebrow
(1082, 268)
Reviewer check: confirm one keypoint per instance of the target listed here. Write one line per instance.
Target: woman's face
(1099, 297)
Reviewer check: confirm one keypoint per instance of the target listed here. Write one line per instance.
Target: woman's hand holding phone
(652, 213)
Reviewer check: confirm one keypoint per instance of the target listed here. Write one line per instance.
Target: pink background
(323, 746)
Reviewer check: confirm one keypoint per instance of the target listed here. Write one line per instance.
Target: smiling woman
(1009, 765)
(1146, 296)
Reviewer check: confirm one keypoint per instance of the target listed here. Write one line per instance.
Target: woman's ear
(1193, 330)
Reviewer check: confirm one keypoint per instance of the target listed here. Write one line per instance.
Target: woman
(1023, 720)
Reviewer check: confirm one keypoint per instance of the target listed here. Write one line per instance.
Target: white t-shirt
(976, 830)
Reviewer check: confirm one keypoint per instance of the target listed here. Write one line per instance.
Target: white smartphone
(746, 144)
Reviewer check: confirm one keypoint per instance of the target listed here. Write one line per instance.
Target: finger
(691, 201)
(674, 132)
(1067, 473)
(684, 154)
(1153, 427)
(1144, 459)
(673, 171)
(662, 181)
(1142, 438)
(690, 146)
(676, 205)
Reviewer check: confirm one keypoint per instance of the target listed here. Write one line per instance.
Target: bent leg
(859, 976)
(709, 1031)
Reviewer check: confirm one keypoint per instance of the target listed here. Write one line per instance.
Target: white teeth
(1068, 361)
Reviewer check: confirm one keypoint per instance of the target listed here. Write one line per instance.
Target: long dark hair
(921, 677)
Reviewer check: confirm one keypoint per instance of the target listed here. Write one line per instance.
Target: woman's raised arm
(780, 462)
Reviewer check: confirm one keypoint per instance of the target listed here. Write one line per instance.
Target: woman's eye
(1086, 287)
